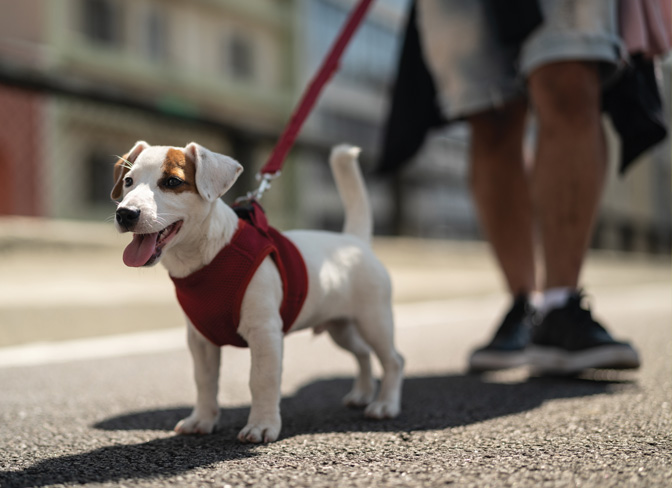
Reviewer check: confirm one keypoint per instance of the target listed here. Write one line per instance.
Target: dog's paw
(258, 432)
(382, 410)
(197, 423)
(359, 397)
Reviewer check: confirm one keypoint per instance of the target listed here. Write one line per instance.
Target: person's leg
(477, 80)
(501, 193)
(567, 182)
(565, 62)
(570, 165)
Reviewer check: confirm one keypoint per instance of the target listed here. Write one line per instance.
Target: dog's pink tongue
(141, 248)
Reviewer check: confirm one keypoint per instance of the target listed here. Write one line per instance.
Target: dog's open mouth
(145, 249)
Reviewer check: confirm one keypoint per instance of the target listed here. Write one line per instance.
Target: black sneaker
(507, 349)
(568, 340)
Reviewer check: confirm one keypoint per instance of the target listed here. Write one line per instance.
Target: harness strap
(212, 296)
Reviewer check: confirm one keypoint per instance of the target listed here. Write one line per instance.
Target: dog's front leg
(261, 326)
(206, 357)
(264, 422)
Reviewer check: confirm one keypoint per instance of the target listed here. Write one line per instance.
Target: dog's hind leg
(376, 326)
(344, 333)
(206, 357)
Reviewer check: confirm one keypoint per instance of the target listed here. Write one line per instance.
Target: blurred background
(82, 80)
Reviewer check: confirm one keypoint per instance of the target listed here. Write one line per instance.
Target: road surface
(94, 374)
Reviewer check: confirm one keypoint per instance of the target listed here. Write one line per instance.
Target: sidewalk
(63, 280)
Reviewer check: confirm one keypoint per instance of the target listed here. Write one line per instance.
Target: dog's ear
(215, 173)
(123, 165)
(120, 169)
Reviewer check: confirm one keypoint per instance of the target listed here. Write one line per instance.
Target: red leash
(272, 167)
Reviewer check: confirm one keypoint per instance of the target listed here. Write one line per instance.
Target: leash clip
(264, 185)
(265, 179)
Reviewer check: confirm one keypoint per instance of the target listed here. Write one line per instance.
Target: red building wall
(22, 140)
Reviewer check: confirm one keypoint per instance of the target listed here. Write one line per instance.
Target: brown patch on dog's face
(178, 173)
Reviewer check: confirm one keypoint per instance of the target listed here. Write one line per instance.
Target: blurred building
(82, 80)
(636, 210)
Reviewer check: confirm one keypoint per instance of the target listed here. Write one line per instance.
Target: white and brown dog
(170, 201)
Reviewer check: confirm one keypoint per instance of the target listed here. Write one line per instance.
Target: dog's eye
(128, 182)
(173, 182)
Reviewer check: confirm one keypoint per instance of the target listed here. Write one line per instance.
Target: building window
(101, 22)
(240, 58)
(156, 36)
(100, 166)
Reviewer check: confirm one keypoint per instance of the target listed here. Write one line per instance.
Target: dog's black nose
(127, 217)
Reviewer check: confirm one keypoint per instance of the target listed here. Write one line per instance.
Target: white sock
(555, 298)
(536, 299)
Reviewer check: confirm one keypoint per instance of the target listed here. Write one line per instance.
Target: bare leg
(570, 165)
(501, 192)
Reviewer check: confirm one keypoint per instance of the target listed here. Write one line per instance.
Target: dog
(170, 199)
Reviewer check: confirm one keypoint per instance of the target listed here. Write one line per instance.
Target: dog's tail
(350, 184)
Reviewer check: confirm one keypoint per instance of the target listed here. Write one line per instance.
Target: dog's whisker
(127, 164)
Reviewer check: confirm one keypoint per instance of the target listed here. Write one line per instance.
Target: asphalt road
(97, 406)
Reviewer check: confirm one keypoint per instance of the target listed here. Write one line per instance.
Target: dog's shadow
(430, 403)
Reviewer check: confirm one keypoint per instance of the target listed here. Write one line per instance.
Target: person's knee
(499, 127)
(566, 94)
(496, 144)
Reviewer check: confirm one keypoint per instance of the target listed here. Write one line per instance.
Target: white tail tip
(350, 184)
(345, 150)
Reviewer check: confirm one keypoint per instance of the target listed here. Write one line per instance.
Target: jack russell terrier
(243, 283)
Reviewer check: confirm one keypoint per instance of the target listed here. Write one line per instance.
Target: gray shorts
(474, 72)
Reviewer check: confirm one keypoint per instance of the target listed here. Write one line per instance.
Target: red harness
(212, 296)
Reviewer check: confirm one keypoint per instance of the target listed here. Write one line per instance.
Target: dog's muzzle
(127, 218)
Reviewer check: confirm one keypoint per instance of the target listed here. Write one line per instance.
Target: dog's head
(166, 192)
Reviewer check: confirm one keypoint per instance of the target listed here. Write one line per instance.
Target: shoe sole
(483, 361)
(556, 361)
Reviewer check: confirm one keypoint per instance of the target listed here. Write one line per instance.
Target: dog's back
(344, 273)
